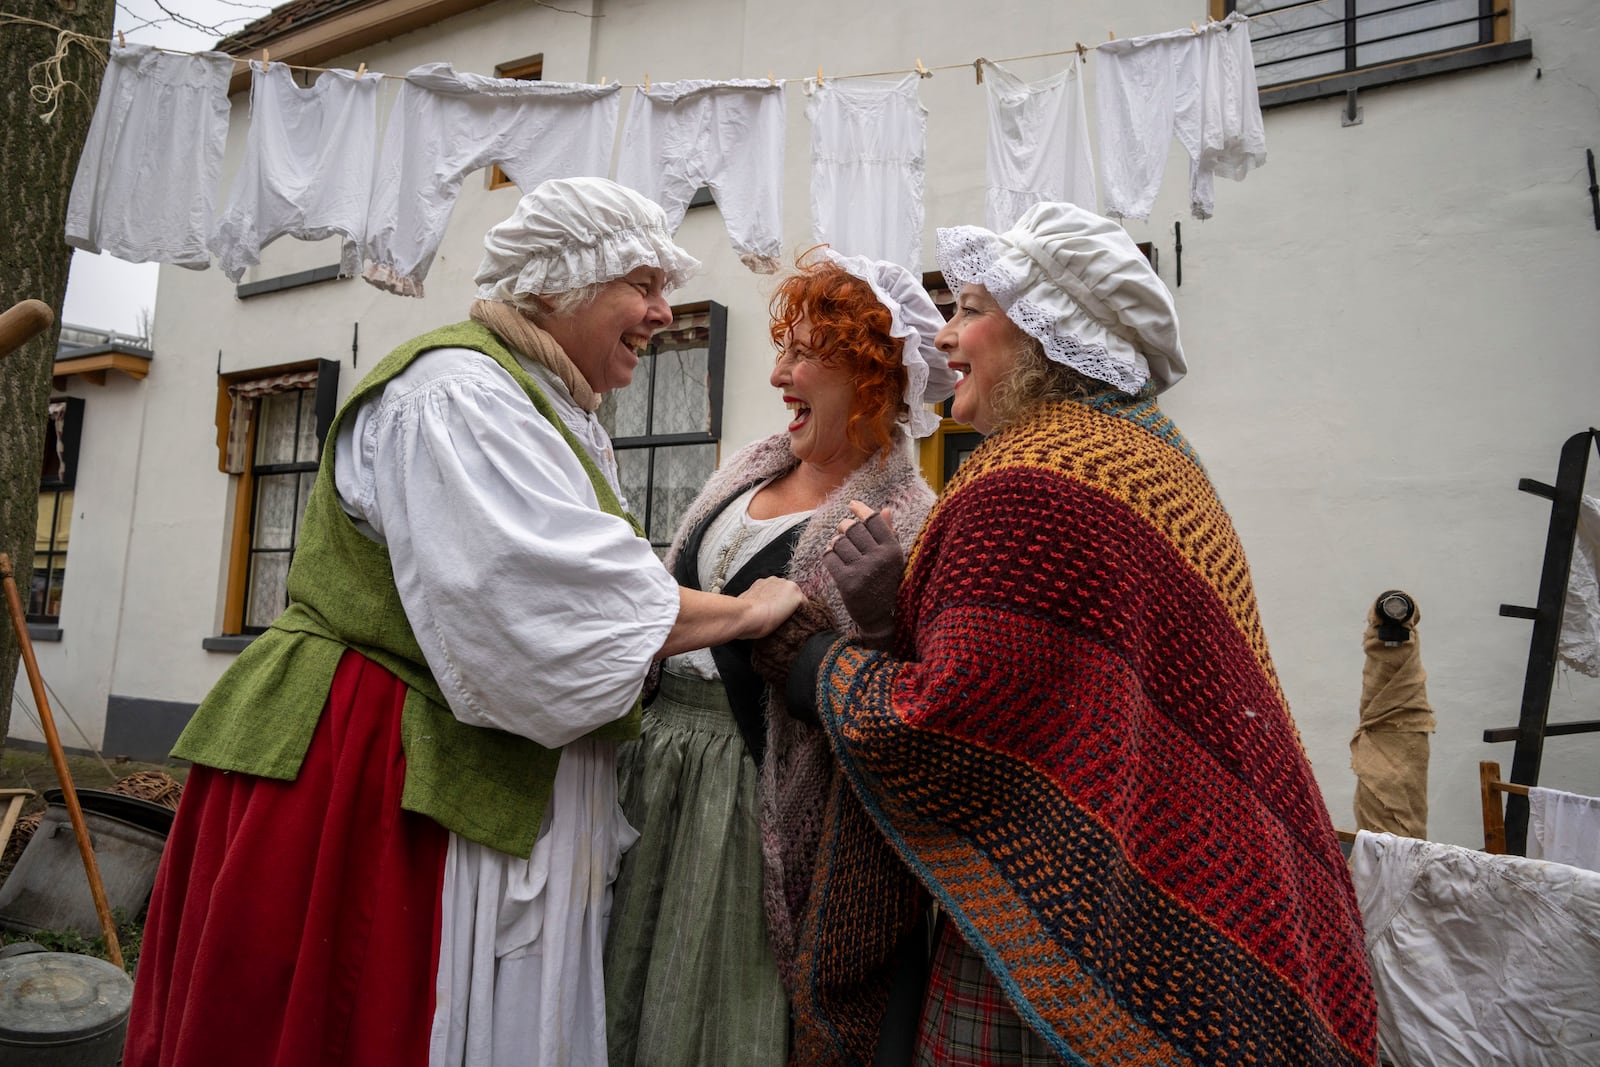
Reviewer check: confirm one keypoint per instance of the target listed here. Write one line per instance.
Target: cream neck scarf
(529, 340)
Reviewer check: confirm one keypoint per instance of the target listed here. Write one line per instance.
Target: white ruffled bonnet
(572, 232)
(915, 320)
(1077, 283)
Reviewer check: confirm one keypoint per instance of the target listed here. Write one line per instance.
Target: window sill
(288, 281)
(43, 631)
(227, 642)
(1407, 70)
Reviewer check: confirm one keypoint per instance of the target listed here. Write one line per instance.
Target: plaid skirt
(967, 1020)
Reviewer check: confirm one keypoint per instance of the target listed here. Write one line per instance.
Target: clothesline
(976, 65)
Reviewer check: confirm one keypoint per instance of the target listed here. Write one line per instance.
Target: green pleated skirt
(690, 978)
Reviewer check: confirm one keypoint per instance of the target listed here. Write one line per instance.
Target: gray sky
(104, 292)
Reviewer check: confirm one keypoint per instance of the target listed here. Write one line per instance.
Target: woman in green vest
(398, 840)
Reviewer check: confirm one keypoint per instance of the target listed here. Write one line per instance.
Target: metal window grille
(1296, 41)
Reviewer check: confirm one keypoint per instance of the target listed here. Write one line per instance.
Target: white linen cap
(915, 320)
(572, 232)
(1077, 283)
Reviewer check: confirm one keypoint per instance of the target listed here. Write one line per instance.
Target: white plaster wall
(1387, 327)
(77, 669)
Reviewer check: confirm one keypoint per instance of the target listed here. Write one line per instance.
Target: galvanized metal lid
(54, 998)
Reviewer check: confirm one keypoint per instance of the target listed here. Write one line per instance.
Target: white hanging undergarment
(146, 185)
(1038, 144)
(1564, 827)
(868, 161)
(446, 125)
(307, 170)
(1198, 87)
(726, 135)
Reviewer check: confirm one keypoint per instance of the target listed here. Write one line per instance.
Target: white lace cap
(572, 232)
(1077, 283)
(915, 320)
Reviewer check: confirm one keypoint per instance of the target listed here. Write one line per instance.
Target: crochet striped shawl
(1080, 747)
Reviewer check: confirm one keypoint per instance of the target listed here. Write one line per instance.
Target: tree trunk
(38, 159)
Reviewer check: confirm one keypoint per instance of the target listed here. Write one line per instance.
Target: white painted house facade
(1387, 326)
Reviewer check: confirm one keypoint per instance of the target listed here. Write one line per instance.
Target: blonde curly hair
(1036, 379)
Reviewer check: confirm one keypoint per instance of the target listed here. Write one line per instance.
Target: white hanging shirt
(1038, 144)
(307, 170)
(446, 125)
(726, 135)
(146, 185)
(1479, 959)
(539, 615)
(868, 162)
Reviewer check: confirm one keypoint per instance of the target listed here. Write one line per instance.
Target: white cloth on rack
(1198, 87)
(1038, 143)
(1564, 827)
(1479, 959)
(307, 170)
(146, 186)
(726, 135)
(446, 125)
(1580, 621)
(868, 162)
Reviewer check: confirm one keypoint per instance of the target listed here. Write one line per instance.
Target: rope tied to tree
(47, 79)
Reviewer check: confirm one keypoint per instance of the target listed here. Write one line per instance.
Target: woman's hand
(706, 619)
(770, 601)
(866, 563)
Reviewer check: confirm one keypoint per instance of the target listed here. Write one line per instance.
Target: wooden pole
(58, 756)
(21, 322)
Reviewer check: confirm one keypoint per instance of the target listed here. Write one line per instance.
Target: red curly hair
(849, 329)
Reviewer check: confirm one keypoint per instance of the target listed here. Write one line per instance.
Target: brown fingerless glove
(866, 563)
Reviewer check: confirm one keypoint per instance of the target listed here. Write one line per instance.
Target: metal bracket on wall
(1350, 114)
(1177, 248)
(1594, 188)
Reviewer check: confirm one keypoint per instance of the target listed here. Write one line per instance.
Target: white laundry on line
(1197, 86)
(726, 135)
(868, 162)
(146, 185)
(307, 171)
(446, 125)
(1038, 144)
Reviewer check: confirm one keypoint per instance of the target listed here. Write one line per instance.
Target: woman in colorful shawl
(695, 973)
(1076, 739)
(397, 843)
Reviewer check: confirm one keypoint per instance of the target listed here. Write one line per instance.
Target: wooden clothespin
(121, 40)
(770, 79)
(923, 72)
(977, 68)
(1083, 53)
(1192, 27)
(819, 77)
(266, 60)
(602, 81)
(647, 81)
(1111, 35)
(361, 70)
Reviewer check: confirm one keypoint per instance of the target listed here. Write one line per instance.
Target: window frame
(716, 365)
(241, 536)
(528, 69)
(1494, 46)
(60, 484)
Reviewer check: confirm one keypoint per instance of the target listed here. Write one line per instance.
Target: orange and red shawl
(1080, 747)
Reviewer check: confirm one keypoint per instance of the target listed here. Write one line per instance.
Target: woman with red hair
(726, 791)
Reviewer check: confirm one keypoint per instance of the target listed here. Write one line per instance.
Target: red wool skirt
(297, 923)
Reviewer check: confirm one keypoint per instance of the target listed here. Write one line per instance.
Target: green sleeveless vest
(486, 785)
